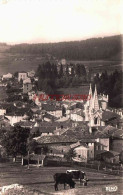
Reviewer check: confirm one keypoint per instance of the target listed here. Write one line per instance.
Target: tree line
(90, 49)
(111, 85)
(51, 77)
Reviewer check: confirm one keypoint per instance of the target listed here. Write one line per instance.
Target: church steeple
(90, 90)
(95, 100)
(90, 97)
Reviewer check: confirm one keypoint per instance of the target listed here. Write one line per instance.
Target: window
(96, 147)
(95, 121)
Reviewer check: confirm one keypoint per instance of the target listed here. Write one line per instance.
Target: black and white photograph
(61, 105)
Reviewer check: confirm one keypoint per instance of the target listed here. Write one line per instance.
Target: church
(94, 109)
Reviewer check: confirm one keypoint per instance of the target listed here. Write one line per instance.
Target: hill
(91, 49)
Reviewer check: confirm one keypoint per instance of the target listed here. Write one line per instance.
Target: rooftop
(108, 115)
(56, 139)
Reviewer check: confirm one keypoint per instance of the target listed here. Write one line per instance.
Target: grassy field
(25, 62)
(40, 180)
(82, 90)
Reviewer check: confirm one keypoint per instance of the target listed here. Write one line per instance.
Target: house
(27, 87)
(81, 153)
(18, 115)
(52, 109)
(31, 94)
(14, 118)
(76, 117)
(57, 145)
(22, 76)
(43, 131)
(37, 114)
(7, 76)
(31, 73)
(56, 140)
(48, 117)
(109, 156)
(109, 117)
(63, 62)
(117, 140)
(28, 80)
(25, 124)
(117, 144)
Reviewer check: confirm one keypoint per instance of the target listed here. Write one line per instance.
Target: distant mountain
(91, 49)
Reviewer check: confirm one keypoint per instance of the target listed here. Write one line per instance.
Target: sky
(41, 21)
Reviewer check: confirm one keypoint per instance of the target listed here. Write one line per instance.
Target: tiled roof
(87, 140)
(109, 154)
(118, 134)
(47, 129)
(63, 119)
(105, 132)
(109, 129)
(75, 145)
(25, 123)
(80, 133)
(50, 107)
(108, 115)
(56, 139)
(49, 116)
(20, 112)
(100, 134)
(6, 105)
(82, 145)
(3, 118)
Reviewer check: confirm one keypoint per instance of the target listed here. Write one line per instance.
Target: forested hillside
(90, 49)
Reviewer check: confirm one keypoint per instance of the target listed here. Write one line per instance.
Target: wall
(91, 151)
(117, 145)
(105, 142)
(22, 76)
(82, 153)
(2, 111)
(27, 87)
(14, 119)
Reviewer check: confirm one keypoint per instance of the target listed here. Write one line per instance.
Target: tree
(16, 74)
(72, 71)
(67, 71)
(61, 71)
(121, 157)
(70, 155)
(63, 111)
(45, 149)
(31, 146)
(15, 141)
(77, 70)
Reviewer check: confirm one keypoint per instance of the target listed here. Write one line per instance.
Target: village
(89, 128)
